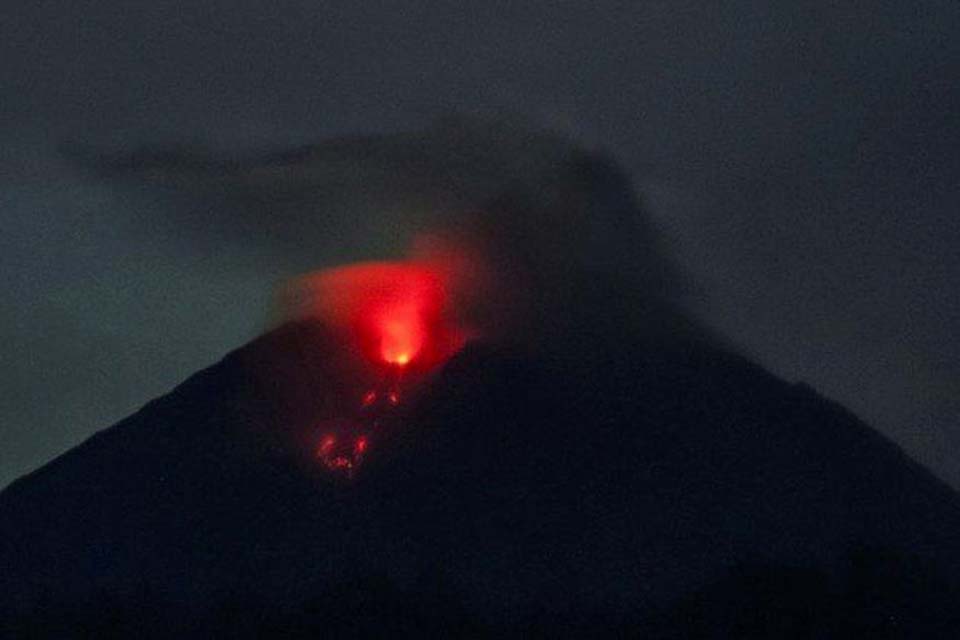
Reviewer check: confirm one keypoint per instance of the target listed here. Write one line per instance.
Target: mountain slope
(664, 488)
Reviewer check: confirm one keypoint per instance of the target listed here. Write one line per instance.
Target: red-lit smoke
(395, 322)
(398, 313)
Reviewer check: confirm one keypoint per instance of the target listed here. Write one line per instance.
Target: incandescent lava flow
(397, 321)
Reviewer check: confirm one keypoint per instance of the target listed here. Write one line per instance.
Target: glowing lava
(342, 455)
(398, 317)
(398, 312)
(402, 333)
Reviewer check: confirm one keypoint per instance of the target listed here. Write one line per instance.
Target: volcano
(647, 488)
(519, 433)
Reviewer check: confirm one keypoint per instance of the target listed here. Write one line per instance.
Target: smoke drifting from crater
(547, 240)
(406, 247)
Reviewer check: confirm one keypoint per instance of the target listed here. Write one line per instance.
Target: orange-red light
(400, 317)
(402, 333)
(361, 445)
(399, 312)
(326, 445)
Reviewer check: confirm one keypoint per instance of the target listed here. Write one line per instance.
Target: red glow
(339, 462)
(326, 445)
(402, 319)
(402, 332)
(341, 456)
(399, 311)
(361, 445)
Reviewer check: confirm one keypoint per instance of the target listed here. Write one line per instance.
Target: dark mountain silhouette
(645, 488)
(596, 464)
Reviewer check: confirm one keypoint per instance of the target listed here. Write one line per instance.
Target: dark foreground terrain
(646, 490)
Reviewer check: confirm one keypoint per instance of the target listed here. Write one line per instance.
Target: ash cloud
(570, 247)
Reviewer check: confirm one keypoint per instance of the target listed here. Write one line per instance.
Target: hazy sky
(801, 159)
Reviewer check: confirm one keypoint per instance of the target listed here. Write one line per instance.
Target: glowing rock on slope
(399, 316)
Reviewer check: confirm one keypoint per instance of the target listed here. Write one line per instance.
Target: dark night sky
(801, 160)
